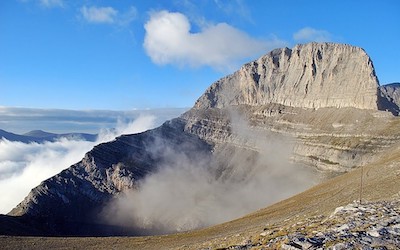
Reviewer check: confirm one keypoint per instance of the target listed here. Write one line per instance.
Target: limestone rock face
(314, 75)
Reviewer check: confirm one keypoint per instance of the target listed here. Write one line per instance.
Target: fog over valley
(24, 165)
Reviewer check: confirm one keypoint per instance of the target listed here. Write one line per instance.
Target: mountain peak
(39, 133)
(312, 75)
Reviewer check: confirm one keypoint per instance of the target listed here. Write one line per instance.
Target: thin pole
(361, 182)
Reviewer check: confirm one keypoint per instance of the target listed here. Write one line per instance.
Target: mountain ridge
(229, 125)
(40, 136)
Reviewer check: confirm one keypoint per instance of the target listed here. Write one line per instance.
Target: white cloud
(23, 166)
(108, 15)
(95, 14)
(142, 123)
(168, 40)
(309, 34)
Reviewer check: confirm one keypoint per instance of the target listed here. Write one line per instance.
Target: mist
(186, 194)
(23, 166)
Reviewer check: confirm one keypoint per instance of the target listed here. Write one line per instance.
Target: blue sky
(120, 55)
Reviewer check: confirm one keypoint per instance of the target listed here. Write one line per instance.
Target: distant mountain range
(19, 120)
(40, 136)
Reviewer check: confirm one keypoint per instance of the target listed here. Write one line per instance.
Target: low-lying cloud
(186, 194)
(24, 165)
(169, 40)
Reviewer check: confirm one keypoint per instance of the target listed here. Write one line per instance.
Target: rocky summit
(318, 104)
(314, 75)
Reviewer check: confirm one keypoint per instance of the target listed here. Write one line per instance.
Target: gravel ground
(369, 225)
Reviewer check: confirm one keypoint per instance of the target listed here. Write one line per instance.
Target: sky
(124, 55)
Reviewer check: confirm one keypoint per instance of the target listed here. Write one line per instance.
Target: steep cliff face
(314, 75)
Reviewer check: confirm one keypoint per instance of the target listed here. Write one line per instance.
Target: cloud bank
(168, 40)
(23, 166)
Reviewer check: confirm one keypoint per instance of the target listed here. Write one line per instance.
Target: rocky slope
(322, 100)
(354, 226)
